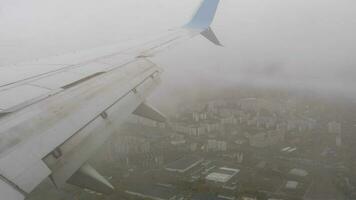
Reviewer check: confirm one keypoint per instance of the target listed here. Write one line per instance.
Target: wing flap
(32, 176)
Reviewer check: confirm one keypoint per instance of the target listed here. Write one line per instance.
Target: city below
(249, 146)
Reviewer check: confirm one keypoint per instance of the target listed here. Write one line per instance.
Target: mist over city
(125, 100)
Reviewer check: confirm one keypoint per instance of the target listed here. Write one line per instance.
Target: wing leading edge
(56, 112)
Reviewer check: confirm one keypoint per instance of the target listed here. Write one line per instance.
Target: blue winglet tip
(204, 15)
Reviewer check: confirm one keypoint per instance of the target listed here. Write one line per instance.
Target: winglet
(203, 19)
(204, 16)
(210, 35)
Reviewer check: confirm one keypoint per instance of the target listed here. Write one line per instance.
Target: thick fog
(297, 44)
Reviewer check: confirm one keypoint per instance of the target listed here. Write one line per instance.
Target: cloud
(277, 43)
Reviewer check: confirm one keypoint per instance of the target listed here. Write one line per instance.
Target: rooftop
(298, 172)
(291, 184)
(184, 164)
(152, 191)
(222, 175)
(203, 196)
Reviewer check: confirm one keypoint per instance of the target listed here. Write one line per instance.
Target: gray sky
(304, 44)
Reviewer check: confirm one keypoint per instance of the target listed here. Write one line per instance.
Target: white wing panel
(24, 94)
(8, 76)
(13, 74)
(32, 176)
(70, 59)
(58, 80)
(36, 85)
(83, 55)
(91, 68)
(29, 70)
(116, 60)
(8, 192)
(134, 67)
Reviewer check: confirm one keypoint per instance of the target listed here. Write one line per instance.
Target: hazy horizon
(283, 44)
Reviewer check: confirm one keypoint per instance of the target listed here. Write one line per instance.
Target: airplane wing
(56, 112)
